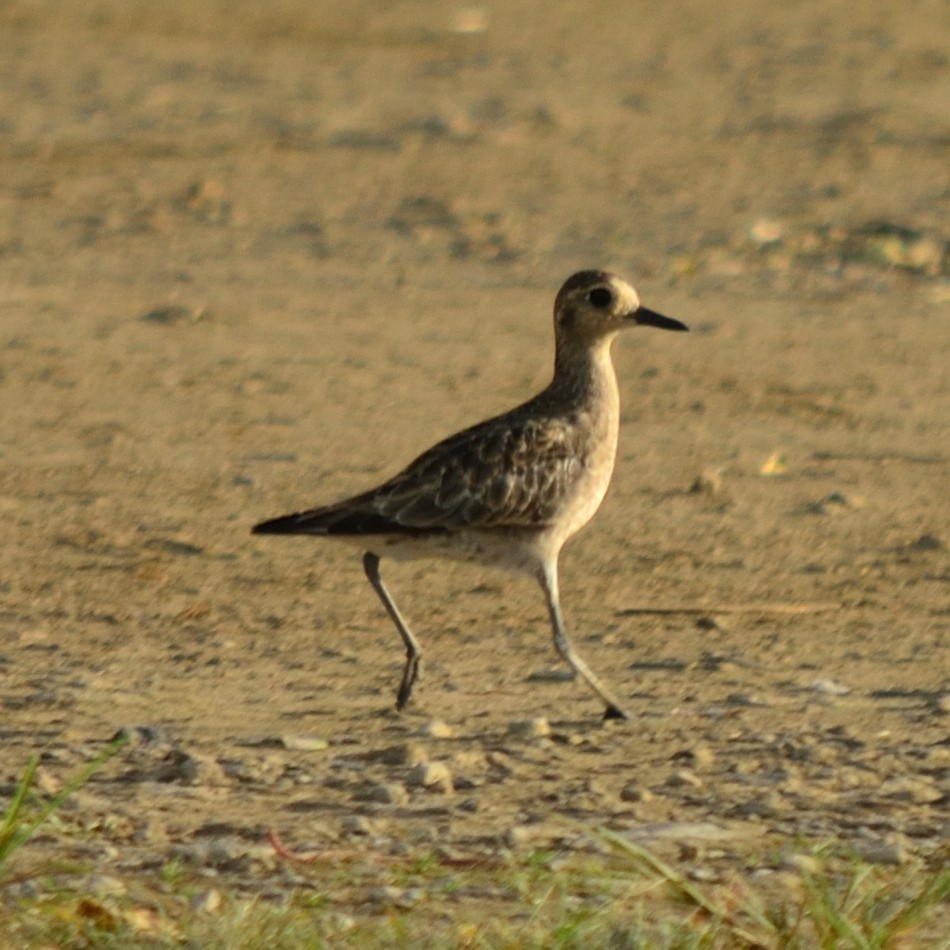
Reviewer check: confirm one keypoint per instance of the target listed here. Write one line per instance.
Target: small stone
(357, 825)
(433, 776)
(190, 768)
(708, 482)
(104, 885)
(136, 736)
(437, 729)
(538, 728)
(765, 232)
(521, 836)
(390, 793)
(762, 806)
(210, 902)
(304, 743)
(632, 792)
(700, 756)
(682, 778)
(883, 851)
(408, 753)
(395, 896)
(942, 705)
(803, 863)
(829, 687)
(908, 789)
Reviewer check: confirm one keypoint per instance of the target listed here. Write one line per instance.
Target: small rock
(395, 896)
(538, 728)
(303, 743)
(433, 776)
(190, 768)
(803, 863)
(708, 482)
(358, 825)
(104, 885)
(390, 793)
(883, 851)
(942, 705)
(908, 789)
(174, 314)
(408, 753)
(765, 232)
(683, 778)
(762, 806)
(437, 729)
(136, 736)
(522, 836)
(210, 902)
(632, 792)
(829, 687)
(700, 755)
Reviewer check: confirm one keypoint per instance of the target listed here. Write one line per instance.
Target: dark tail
(342, 519)
(301, 523)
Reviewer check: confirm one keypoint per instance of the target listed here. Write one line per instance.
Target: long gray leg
(547, 575)
(413, 654)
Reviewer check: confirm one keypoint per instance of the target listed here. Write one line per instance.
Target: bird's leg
(547, 575)
(413, 654)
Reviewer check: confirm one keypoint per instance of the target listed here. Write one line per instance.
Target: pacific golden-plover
(509, 491)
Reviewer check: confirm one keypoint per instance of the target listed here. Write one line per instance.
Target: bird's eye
(600, 297)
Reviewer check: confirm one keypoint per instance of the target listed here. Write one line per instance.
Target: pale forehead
(626, 295)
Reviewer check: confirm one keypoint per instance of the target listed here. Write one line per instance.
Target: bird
(507, 492)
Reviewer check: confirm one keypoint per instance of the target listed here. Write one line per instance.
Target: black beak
(650, 318)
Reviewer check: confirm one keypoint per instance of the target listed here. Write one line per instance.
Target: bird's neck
(584, 374)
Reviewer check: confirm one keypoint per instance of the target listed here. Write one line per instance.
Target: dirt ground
(254, 261)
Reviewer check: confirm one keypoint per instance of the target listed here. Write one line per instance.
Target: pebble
(104, 885)
(209, 902)
(633, 792)
(433, 776)
(395, 896)
(762, 806)
(520, 836)
(802, 863)
(700, 756)
(390, 793)
(358, 825)
(191, 768)
(304, 743)
(437, 729)
(766, 231)
(538, 728)
(907, 789)
(883, 851)
(407, 753)
(683, 778)
(829, 687)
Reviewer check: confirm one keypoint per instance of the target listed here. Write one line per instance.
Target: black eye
(600, 297)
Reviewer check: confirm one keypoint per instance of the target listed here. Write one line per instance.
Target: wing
(503, 473)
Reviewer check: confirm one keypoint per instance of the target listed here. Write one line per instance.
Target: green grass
(620, 898)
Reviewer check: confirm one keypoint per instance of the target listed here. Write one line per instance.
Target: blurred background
(255, 257)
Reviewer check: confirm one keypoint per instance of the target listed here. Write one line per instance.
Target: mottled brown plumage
(511, 490)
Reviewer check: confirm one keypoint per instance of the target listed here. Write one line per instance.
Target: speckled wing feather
(503, 473)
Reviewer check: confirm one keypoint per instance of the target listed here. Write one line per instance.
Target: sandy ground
(253, 262)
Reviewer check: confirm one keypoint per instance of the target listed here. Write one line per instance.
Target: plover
(509, 491)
